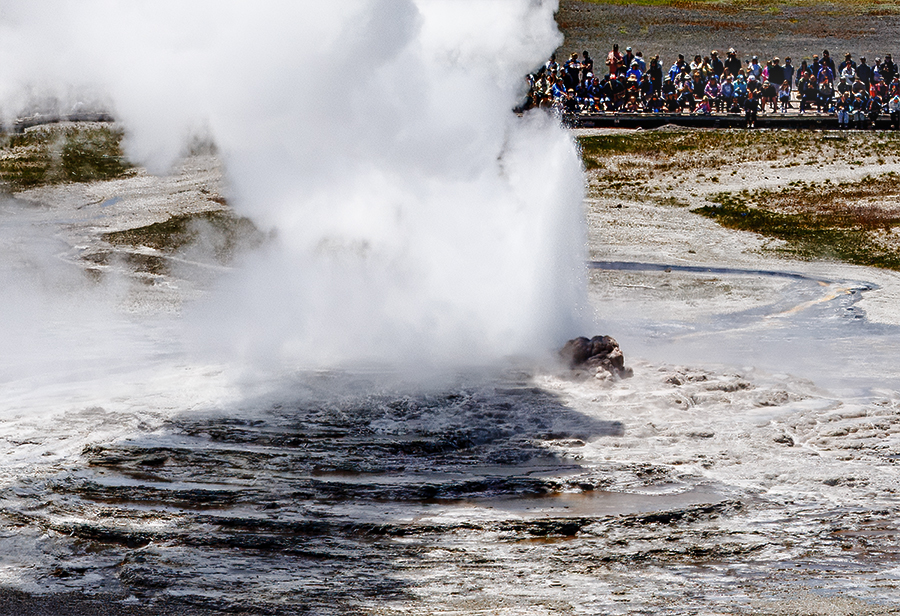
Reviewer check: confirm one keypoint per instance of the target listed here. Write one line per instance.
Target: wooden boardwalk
(791, 120)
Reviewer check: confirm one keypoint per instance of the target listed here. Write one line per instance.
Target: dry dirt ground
(668, 27)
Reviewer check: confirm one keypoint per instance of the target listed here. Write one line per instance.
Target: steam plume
(415, 217)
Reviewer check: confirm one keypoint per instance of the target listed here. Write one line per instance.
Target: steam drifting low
(415, 218)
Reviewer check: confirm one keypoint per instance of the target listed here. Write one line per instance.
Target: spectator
(705, 107)
(572, 72)
(639, 58)
(646, 87)
(888, 69)
(874, 109)
(826, 94)
(848, 62)
(713, 92)
(632, 105)
(844, 86)
(858, 107)
(808, 91)
(803, 70)
(628, 58)
(815, 66)
(848, 71)
(677, 67)
(863, 71)
(614, 61)
(894, 87)
(754, 69)
(768, 96)
(753, 85)
(706, 69)
(727, 94)
(698, 85)
(827, 61)
(634, 72)
(842, 107)
(789, 72)
(686, 97)
(732, 63)
(878, 88)
(655, 72)
(570, 103)
(826, 73)
(894, 108)
(551, 66)
(696, 64)
(670, 94)
(776, 72)
(587, 63)
(784, 95)
(718, 67)
(740, 93)
(751, 109)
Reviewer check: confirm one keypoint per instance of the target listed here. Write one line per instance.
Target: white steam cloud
(416, 218)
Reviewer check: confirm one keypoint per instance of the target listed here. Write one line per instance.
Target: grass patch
(739, 144)
(831, 221)
(220, 232)
(58, 154)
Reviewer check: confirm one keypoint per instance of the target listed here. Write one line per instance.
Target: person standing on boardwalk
(776, 72)
(888, 69)
(740, 93)
(718, 67)
(733, 63)
(894, 108)
(789, 74)
(875, 102)
(614, 61)
(864, 72)
(727, 94)
(827, 61)
(808, 92)
(784, 95)
(587, 63)
(751, 108)
(713, 92)
(848, 62)
(572, 72)
(826, 94)
(754, 69)
(858, 106)
(627, 58)
(677, 67)
(655, 72)
(842, 107)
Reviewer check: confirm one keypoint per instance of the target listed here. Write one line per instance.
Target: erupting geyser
(415, 218)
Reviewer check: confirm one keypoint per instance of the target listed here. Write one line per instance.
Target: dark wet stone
(600, 353)
(145, 577)
(784, 439)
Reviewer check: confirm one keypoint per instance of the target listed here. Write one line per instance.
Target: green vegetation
(719, 147)
(219, 231)
(55, 154)
(841, 221)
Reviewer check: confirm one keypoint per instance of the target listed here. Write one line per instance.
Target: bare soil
(797, 29)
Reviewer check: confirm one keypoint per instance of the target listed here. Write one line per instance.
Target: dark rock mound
(600, 355)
